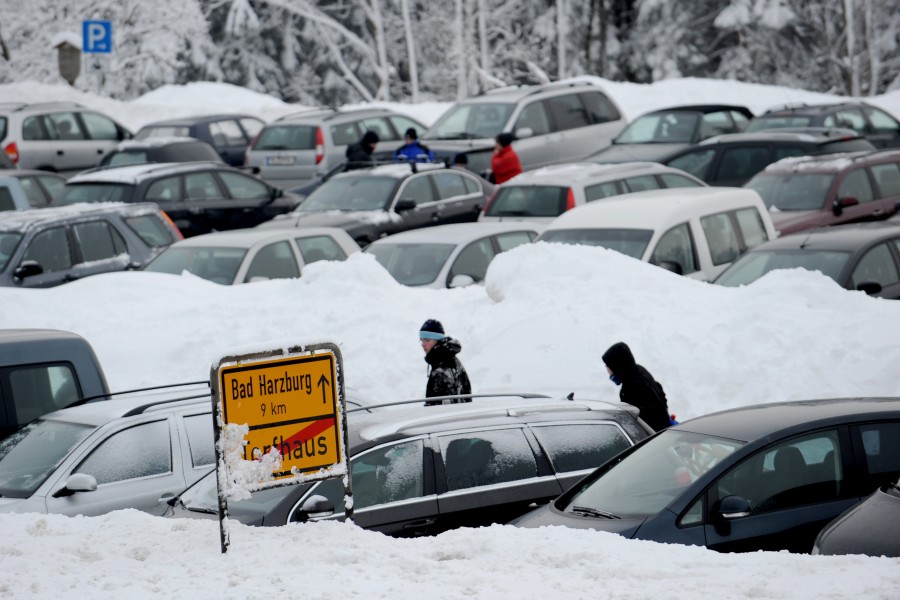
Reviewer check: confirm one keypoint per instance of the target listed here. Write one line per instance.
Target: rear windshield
(754, 265)
(163, 131)
(286, 137)
(9, 240)
(632, 242)
(668, 128)
(352, 194)
(412, 264)
(792, 191)
(74, 193)
(31, 454)
(152, 230)
(128, 157)
(760, 123)
(528, 201)
(470, 122)
(219, 265)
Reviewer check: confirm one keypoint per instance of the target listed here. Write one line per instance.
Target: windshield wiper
(593, 512)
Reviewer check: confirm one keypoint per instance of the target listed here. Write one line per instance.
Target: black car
(372, 203)
(876, 125)
(659, 133)
(422, 470)
(765, 477)
(229, 134)
(200, 197)
(732, 159)
(160, 150)
(862, 257)
(868, 528)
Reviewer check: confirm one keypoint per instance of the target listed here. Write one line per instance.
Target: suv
(372, 203)
(876, 125)
(50, 246)
(424, 470)
(228, 134)
(732, 159)
(544, 194)
(57, 136)
(309, 144)
(552, 123)
(809, 192)
(109, 454)
(200, 197)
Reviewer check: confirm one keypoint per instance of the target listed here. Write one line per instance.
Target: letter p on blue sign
(96, 37)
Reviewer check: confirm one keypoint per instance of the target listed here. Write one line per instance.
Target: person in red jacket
(505, 162)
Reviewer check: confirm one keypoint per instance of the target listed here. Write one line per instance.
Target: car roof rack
(372, 110)
(557, 85)
(51, 104)
(136, 390)
(370, 407)
(786, 106)
(306, 112)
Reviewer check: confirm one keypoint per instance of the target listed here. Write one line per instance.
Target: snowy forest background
(332, 52)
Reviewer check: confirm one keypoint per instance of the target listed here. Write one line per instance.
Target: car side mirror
(314, 507)
(733, 507)
(77, 482)
(869, 287)
(405, 204)
(461, 281)
(842, 203)
(28, 268)
(671, 265)
(524, 132)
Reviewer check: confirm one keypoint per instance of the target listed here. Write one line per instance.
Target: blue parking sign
(96, 37)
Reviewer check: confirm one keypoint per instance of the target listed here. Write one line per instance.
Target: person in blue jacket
(412, 150)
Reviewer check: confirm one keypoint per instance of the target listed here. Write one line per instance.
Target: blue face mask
(615, 379)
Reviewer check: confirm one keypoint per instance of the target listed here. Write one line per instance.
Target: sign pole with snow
(279, 419)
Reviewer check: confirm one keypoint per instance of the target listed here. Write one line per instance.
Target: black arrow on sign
(323, 382)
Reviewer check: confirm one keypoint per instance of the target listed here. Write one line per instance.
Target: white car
(695, 232)
(246, 255)
(544, 194)
(449, 256)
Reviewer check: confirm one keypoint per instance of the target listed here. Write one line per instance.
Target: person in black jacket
(447, 376)
(359, 155)
(638, 386)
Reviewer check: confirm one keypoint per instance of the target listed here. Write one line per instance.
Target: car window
(676, 245)
(881, 121)
(486, 458)
(200, 439)
(99, 127)
(201, 186)
(3, 122)
(721, 238)
(351, 193)
(401, 124)
(850, 118)
(602, 190)
(507, 241)
(673, 180)
(226, 133)
(472, 186)
(274, 261)
(881, 442)
(856, 185)
(319, 247)
(6, 199)
(473, 260)
(32, 190)
(418, 189)
(792, 191)
(740, 164)
(34, 128)
(40, 389)
(631, 242)
(98, 240)
(287, 137)
(599, 108)
(344, 134)
(412, 264)
(470, 121)
(64, 126)
(242, 186)
(449, 185)
(9, 241)
(641, 183)
(30, 455)
(779, 152)
(528, 201)
(51, 249)
(163, 131)
(877, 266)
(716, 123)
(252, 127)
(753, 265)
(696, 163)
(139, 451)
(53, 185)
(535, 117)
(164, 190)
(887, 177)
(753, 230)
(804, 470)
(567, 112)
(151, 229)
(574, 447)
(380, 126)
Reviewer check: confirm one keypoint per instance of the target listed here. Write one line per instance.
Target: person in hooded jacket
(639, 388)
(505, 162)
(359, 155)
(412, 150)
(446, 376)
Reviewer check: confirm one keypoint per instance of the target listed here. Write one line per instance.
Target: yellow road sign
(290, 404)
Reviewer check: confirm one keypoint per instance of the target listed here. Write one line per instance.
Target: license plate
(279, 161)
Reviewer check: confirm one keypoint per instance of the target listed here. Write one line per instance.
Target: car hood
(547, 515)
(789, 221)
(23, 505)
(618, 153)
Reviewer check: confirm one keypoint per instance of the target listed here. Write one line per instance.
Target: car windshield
(204, 497)
(219, 265)
(31, 454)
(666, 128)
(128, 157)
(74, 193)
(471, 122)
(528, 201)
(365, 192)
(792, 191)
(754, 265)
(649, 478)
(9, 240)
(760, 123)
(632, 242)
(412, 264)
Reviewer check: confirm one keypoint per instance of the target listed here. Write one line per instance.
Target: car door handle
(877, 212)
(60, 152)
(422, 523)
(99, 150)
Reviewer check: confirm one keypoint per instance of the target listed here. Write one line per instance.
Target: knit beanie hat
(370, 137)
(432, 330)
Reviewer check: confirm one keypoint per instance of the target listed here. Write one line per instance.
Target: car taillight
(12, 151)
(320, 145)
(570, 200)
(172, 223)
(488, 203)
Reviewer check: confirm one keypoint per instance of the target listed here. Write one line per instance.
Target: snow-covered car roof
(457, 233)
(22, 220)
(132, 174)
(584, 173)
(247, 238)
